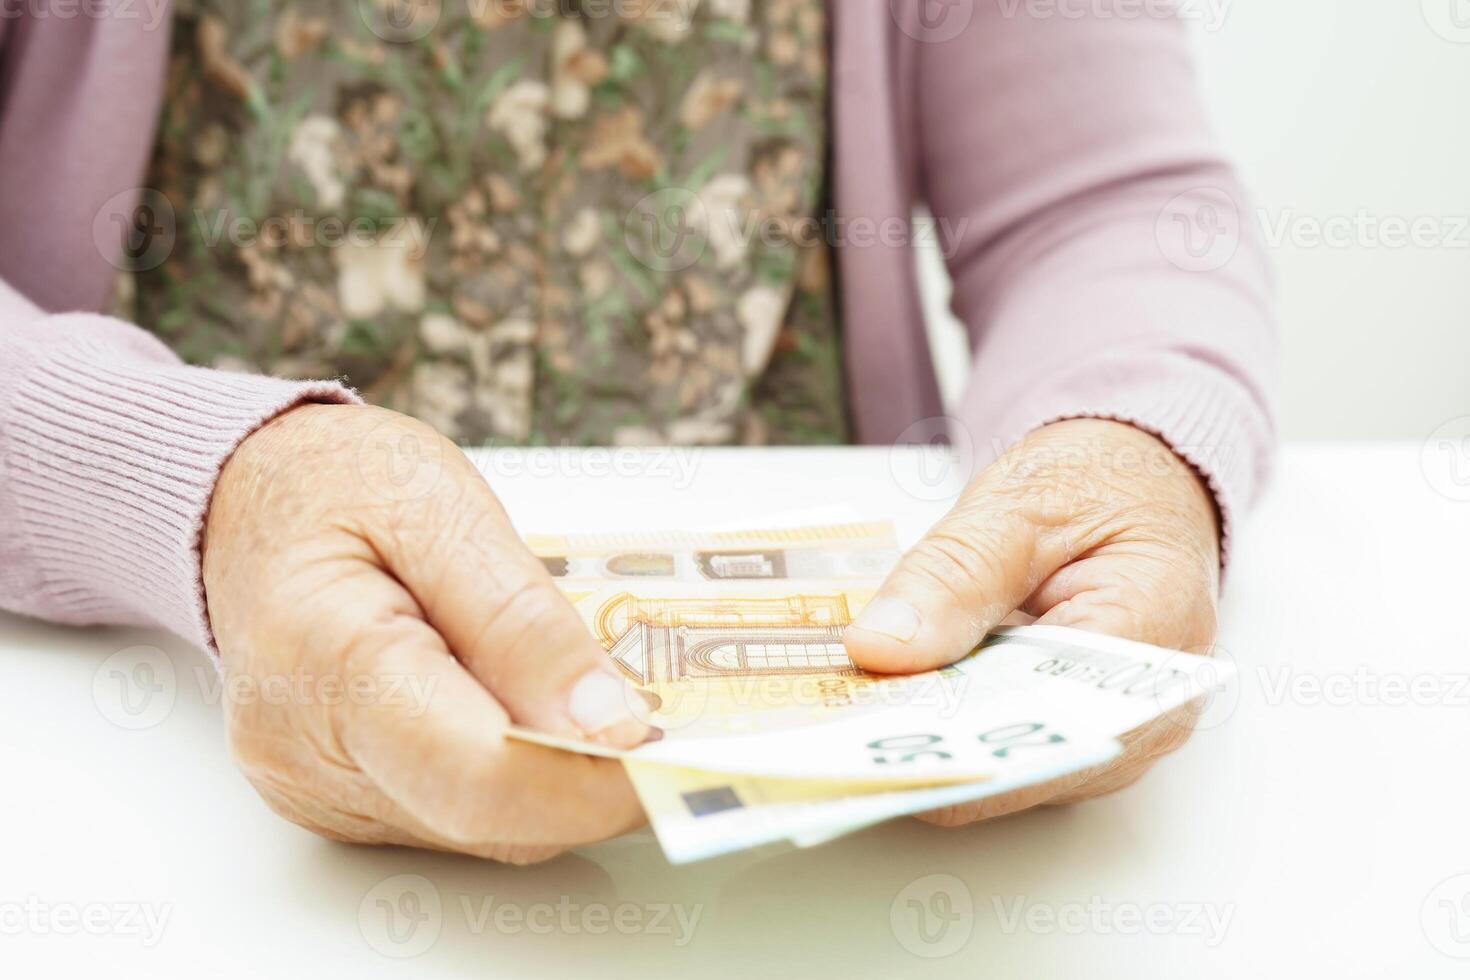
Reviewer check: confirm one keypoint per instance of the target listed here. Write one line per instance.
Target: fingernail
(890, 617)
(599, 700)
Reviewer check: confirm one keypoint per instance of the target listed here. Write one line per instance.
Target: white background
(1336, 109)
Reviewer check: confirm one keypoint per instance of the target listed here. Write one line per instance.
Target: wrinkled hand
(1086, 523)
(358, 566)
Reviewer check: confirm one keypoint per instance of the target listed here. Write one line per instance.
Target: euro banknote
(769, 732)
(1047, 701)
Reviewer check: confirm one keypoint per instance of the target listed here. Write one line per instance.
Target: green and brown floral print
(524, 221)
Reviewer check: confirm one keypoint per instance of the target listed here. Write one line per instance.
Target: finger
(1005, 803)
(504, 618)
(968, 573)
(1129, 592)
(442, 756)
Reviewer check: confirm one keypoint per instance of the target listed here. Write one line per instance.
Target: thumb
(504, 618)
(969, 572)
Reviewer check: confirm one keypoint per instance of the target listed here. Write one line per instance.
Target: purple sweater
(1066, 156)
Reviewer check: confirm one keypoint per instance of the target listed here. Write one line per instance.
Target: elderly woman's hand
(1086, 523)
(358, 566)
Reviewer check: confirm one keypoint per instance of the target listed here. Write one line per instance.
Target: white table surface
(1316, 827)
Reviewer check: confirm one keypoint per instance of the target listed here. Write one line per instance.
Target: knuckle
(968, 564)
(512, 614)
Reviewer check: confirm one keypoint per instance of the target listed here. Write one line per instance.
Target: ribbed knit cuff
(1206, 417)
(111, 462)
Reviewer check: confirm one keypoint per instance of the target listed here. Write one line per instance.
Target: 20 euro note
(828, 552)
(1047, 701)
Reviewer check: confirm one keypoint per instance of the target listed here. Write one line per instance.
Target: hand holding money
(359, 550)
(770, 732)
(355, 545)
(1088, 523)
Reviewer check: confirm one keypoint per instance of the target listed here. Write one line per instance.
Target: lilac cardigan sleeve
(1081, 193)
(109, 449)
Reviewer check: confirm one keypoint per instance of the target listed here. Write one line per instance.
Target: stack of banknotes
(733, 644)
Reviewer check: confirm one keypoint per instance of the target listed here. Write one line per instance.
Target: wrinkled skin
(354, 546)
(1086, 523)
